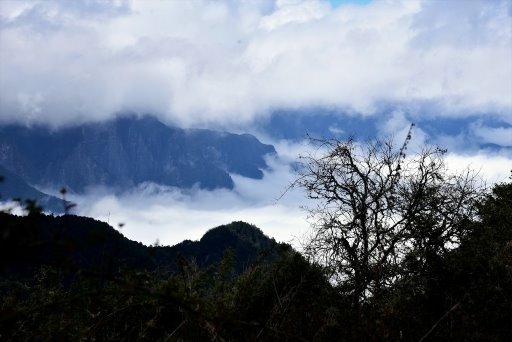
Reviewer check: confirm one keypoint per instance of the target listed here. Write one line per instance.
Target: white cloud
(398, 127)
(492, 168)
(172, 222)
(201, 62)
(294, 12)
(495, 135)
(153, 212)
(170, 215)
(11, 207)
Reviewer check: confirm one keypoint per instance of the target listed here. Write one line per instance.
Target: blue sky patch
(337, 3)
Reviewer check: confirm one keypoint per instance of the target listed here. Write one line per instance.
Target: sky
(230, 63)
(210, 62)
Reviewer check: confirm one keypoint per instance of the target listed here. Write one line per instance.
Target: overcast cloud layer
(225, 62)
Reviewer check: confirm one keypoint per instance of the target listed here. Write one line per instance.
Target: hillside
(74, 242)
(70, 278)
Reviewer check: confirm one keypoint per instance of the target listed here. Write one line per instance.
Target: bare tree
(378, 209)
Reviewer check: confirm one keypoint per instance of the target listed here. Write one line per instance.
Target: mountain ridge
(83, 243)
(127, 151)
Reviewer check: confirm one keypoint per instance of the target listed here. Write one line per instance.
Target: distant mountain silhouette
(81, 243)
(336, 123)
(128, 151)
(295, 125)
(13, 187)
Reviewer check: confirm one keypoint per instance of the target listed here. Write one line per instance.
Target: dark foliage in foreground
(81, 243)
(72, 278)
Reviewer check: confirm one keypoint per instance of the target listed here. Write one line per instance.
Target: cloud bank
(228, 62)
(153, 213)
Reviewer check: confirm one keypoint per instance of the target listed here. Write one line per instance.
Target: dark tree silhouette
(379, 211)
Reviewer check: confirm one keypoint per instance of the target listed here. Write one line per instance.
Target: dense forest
(401, 251)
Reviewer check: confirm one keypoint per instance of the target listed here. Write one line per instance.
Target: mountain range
(124, 152)
(469, 132)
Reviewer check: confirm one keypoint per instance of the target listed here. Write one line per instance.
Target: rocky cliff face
(127, 151)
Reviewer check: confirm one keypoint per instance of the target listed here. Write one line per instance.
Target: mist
(154, 214)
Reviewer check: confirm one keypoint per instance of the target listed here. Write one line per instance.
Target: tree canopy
(380, 211)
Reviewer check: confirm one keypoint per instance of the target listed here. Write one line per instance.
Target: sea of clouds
(152, 213)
